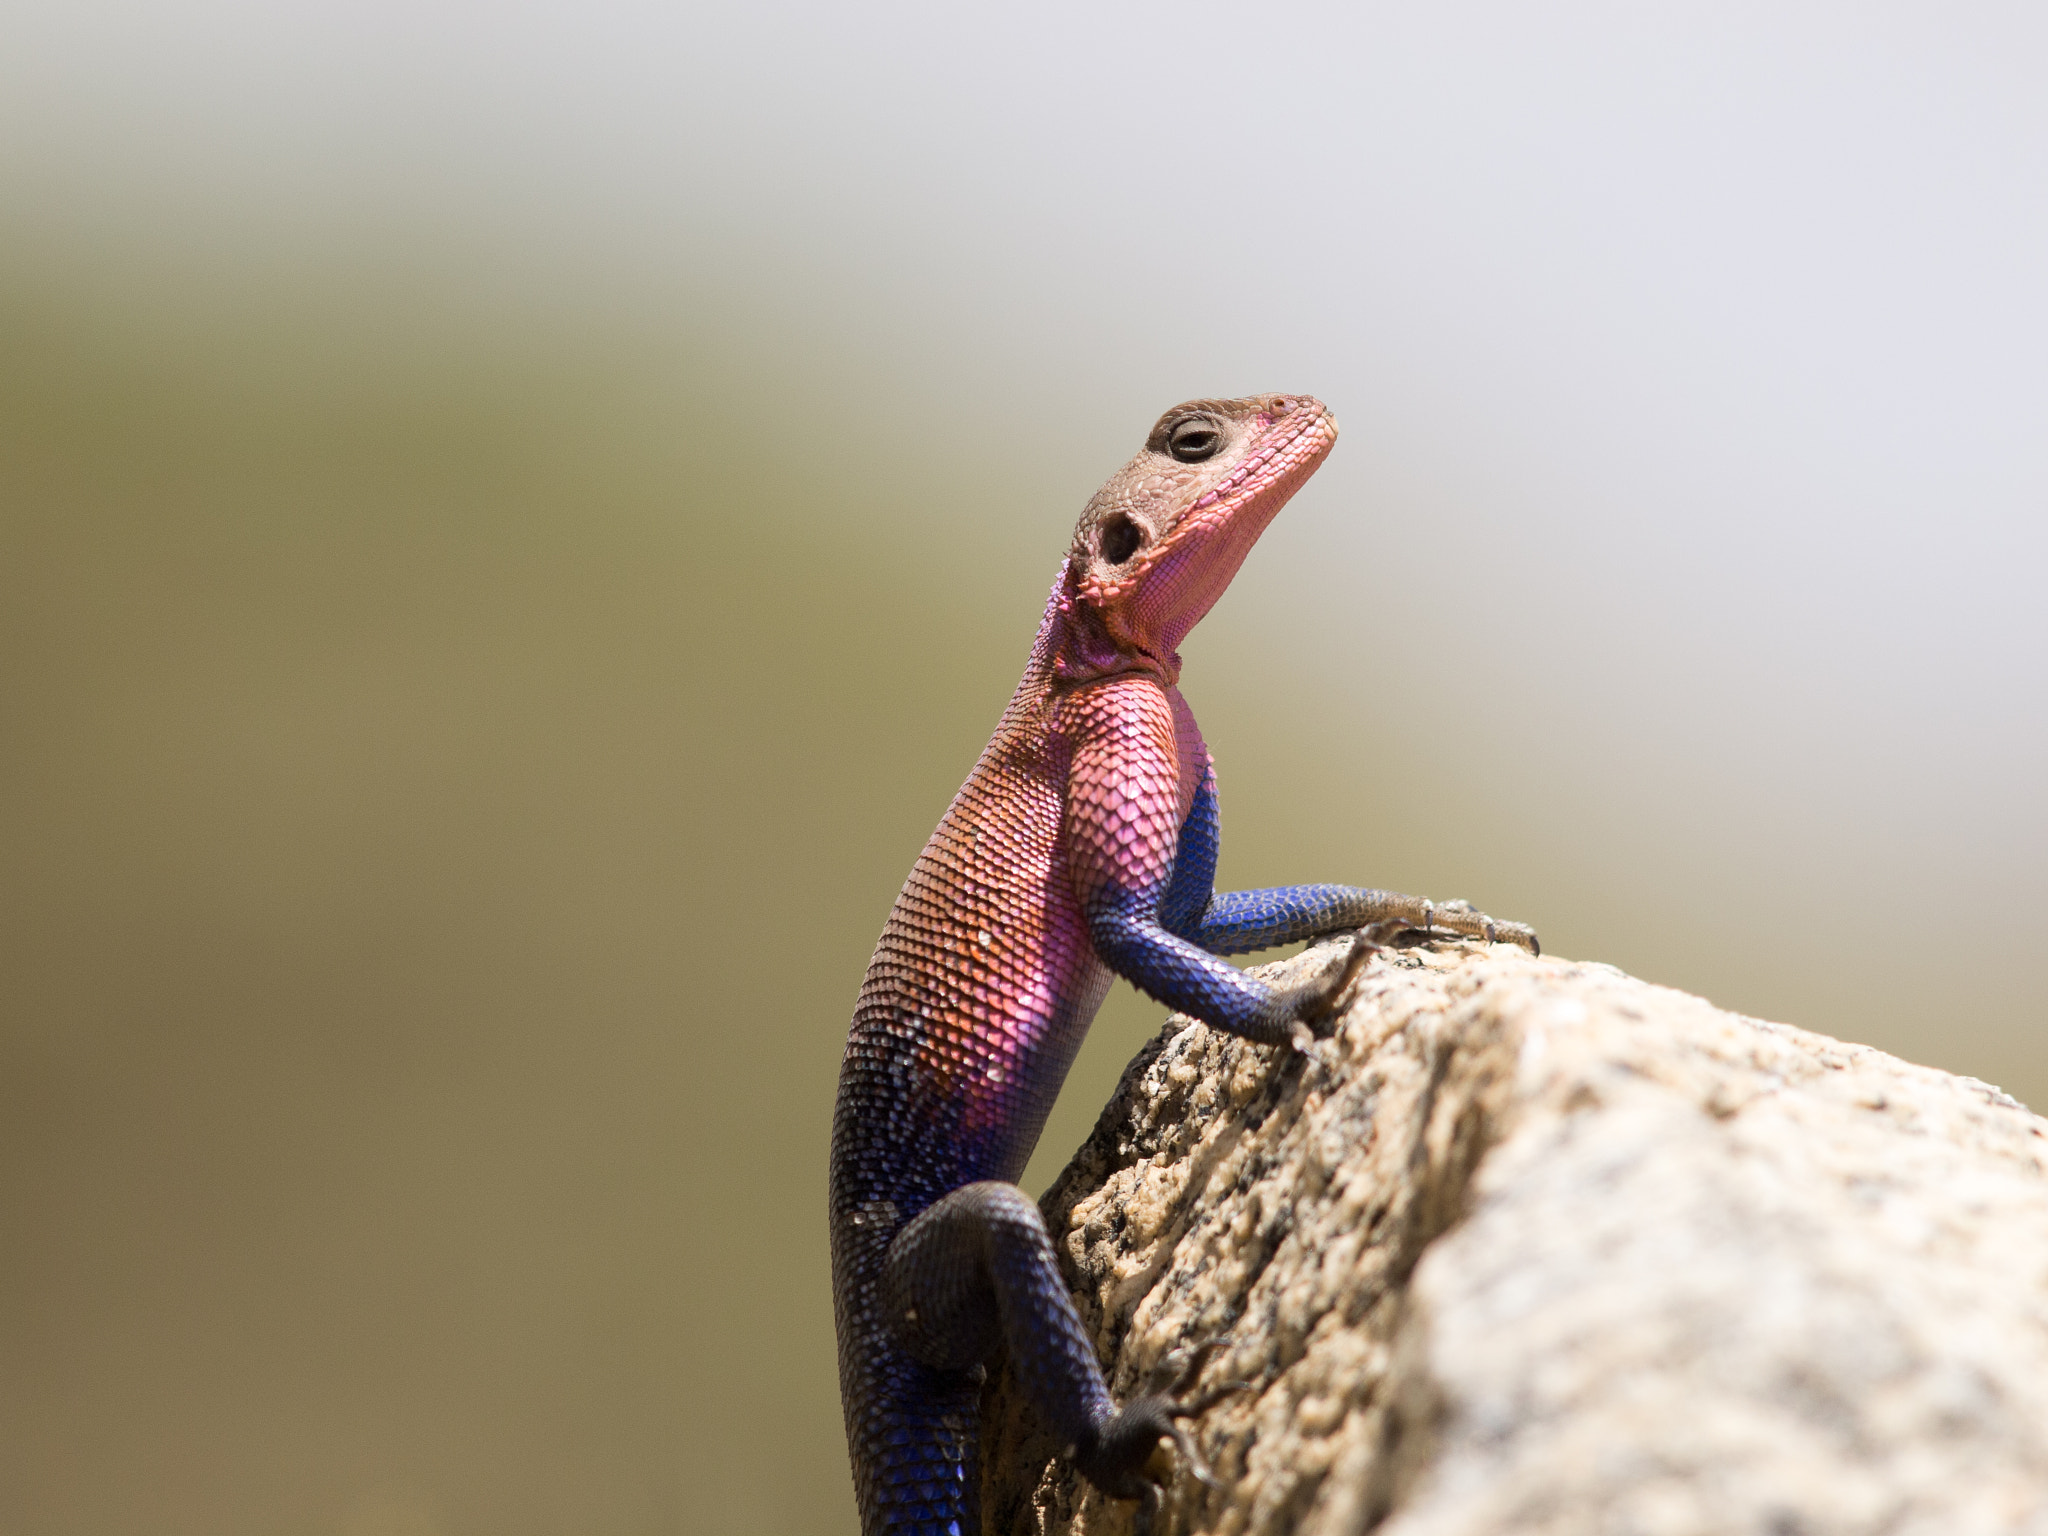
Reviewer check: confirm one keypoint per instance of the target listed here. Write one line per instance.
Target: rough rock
(1535, 1247)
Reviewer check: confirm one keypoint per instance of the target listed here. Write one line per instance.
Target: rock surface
(1536, 1247)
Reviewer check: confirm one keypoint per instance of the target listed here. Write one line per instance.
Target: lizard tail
(913, 1434)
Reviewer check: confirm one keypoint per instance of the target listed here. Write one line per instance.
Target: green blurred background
(514, 523)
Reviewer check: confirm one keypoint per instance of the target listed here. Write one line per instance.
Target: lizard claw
(1463, 920)
(1304, 1040)
(1191, 1457)
(1116, 1461)
(1133, 1435)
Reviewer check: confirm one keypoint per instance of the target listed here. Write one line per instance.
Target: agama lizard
(1083, 846)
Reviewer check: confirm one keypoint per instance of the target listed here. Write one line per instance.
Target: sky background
(515, 520)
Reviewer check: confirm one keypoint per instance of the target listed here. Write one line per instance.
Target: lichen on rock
(1532, 1246)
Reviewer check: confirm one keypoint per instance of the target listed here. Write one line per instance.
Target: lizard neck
(1075, 645)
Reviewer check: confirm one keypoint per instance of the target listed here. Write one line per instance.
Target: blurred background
(515, 520)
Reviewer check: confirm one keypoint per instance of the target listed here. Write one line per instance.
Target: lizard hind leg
(978, 1265)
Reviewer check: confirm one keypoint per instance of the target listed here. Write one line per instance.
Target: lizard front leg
(1129, 937)
(1123, 831)
(1239, 922)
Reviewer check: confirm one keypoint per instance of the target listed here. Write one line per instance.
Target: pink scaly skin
(1082, 846)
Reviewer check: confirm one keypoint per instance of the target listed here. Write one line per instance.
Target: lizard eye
(1120, 538)
(1195, 439)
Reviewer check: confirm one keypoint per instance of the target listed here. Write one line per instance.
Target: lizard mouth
(1274, 447)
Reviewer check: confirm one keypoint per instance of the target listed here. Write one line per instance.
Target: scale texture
(1082, 847)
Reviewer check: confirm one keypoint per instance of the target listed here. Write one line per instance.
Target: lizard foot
(1122, 1454)
(1308, 1009)
(1467, 921)
(1117, 1459)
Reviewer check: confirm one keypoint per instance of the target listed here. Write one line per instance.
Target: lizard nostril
(1120, 538)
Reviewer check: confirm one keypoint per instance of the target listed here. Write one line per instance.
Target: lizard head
(1158, 544)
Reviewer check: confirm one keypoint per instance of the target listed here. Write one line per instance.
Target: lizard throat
(1084, 651)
